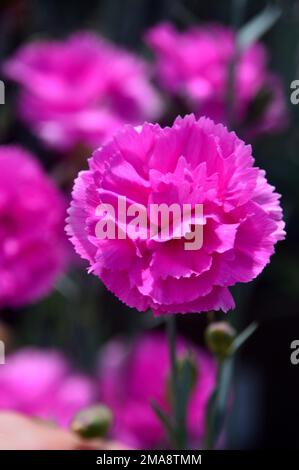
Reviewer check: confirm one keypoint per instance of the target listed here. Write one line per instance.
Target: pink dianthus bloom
(131, 376)
(80, 90)
(195, 65)
(41, 384)
(33, 246)
(193, 162)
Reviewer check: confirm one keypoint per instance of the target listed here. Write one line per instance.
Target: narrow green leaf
(242, 337)
(186, 381)
(257, 27)
(164, 420)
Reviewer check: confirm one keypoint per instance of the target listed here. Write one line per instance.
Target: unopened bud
(93, 421)
(219, 338)
(187, 375)
(188, 361)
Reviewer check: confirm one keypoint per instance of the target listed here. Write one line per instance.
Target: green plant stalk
(179, 413)
(216, 412)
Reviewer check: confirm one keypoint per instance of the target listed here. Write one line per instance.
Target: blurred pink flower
(81, 90)
(32, 241)
(193, 162)
(40, 383)
(195, 65)
(132, 375)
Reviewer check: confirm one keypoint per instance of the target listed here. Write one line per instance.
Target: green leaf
(242, 337)
(187, 375)
(216, 412)
(162, 416)
(257, 27)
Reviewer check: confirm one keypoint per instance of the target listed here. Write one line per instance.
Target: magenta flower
(196, 162)
(132, 375)
(80, 90)
(40, 383)
(195, 66)
(32, 242)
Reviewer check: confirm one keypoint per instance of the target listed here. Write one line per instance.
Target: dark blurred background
(266, 383)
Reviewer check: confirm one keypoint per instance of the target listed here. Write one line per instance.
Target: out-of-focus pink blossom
(131, 375)
(40, 383)
(80, 90)
(195, 65)
(32, 243)
(192, 162)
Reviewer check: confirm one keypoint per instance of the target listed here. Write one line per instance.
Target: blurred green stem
(238, 9)
(237, 14)
(217, 406)
(217, 403)
(179, 413)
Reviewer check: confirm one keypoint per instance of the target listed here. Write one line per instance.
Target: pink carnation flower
(131, 376)
(32, 241)
(40, 383)
(196, 162)
(80, 90)
(195, 65)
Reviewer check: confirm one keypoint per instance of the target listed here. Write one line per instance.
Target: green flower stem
(217, 406)
(179, 387)
(179, 412)
(216, 411)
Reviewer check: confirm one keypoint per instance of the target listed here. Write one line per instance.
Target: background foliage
(80, 314)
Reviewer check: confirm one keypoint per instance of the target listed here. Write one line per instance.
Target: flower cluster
(85, 93)
(33, 249)
(41, 384)
(80, 90)
(195, 65)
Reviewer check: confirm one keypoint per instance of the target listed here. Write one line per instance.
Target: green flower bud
(188, 360)
(219, 337)
(187, 375)
(93, 421)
